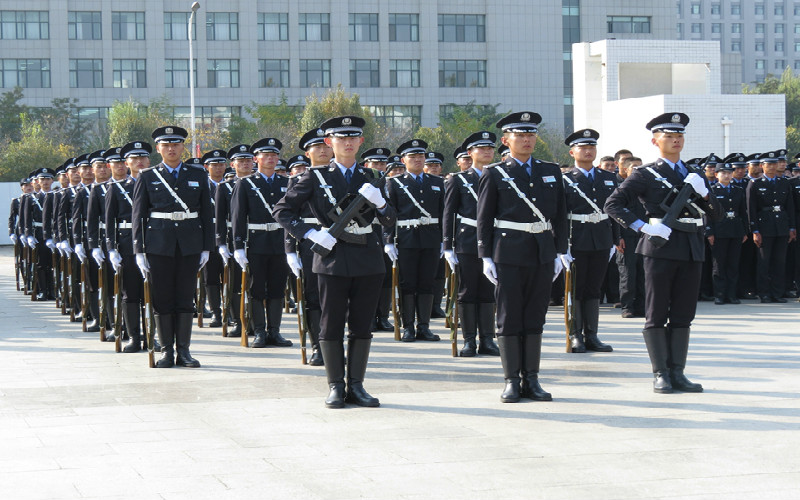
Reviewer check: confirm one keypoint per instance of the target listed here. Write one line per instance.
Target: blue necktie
(528, 169)
(175, 173)
(591, 176)
(680, 170)
(269, 180)
(419, 180)
(348, 175)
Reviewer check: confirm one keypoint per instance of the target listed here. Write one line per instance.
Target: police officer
(433, 166)
(172, 238)
(592, 237)
(415, 241)
(522, 226)
(672, 270)
(215, 162)
(350, 275)
(463, 159)
(14, 232)
(34, 223)
(79, 224)
(64, 232)
(475, 291)
(631, 272)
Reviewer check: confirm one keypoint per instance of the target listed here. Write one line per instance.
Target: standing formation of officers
(343, 228)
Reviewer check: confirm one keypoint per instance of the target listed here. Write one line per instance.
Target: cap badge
(676, 118)
(431, 155)
(414, 143)
(485, 135)
(271, 142)
(346, 121)
(168, 130)
(586, 133)
(320, 132)
(137, 144)
(526, 117)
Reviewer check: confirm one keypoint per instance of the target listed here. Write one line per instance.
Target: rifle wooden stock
(150, 330)
(201, 298)
(226, 298)
(244, 306)
(26, 253)
(395, 300)
(69, 285)
(65, 291)
(302, 321)
(34, 281)
(17, 259)
(569, 302)
(452, 312)
(103, 298)
(118, 311)
(56, 288)
(84, 294)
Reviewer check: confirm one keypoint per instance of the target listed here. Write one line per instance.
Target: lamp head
(195, 6)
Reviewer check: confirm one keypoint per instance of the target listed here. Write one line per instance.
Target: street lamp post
(195, 6)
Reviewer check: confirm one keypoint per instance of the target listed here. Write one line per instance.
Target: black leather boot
(576, 329)
(333, 353)
(274, 315)
(424, 304)
(510, 356)
(468, 314)
(214, 300)
(236, 331)
(357, 357)
(486, 328)
(438, 293)
(407, 310)
(183, 338)
(130, 316)
(531, 354)
(591, 320)
(94, 312)
(679, 349)
(657, 348)
(384, 305)
(313, 317)
(165, 326)
(259, 325)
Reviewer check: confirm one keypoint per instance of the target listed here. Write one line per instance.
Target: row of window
(225, 73)
(778, 64)
(759, 9)
(759, 28)
(87, 25)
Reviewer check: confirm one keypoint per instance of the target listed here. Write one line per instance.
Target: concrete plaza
(78, 420)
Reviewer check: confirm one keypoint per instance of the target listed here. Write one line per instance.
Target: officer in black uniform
(433, 166)
(415, 241)
(64, 231)
(463, 159)
(727, 235)
(592, 237)
(771, 210)
(49, 228)
(96, 228)
(172, 238)
(258, 239)
(33, 216)
(13, 223)
(215, 162)
(522, 226)
(631, 271)
(79, 224)
(475, 291)
(350, 275)
(672, 271)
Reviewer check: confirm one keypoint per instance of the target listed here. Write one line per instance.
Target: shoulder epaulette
(147, 169)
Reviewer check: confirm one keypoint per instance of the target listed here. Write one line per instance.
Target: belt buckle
(178, 216)
(593, 218)
(776, 208)
(424, 221)
(731, 215)
(535, 227)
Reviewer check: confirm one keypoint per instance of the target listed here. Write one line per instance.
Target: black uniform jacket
(49, 222)
(589, 236)
(498, 200)
(459, 202)
(733, 223)
(248, 207)
(96, 216)
(13, 215)
(119, 210)
(290, 244)
(770, 206)
(33, 212)
(648, 189)
(65, 214)
(79, 206)
(430, 196)
(163, 236)
(346, 259)
(222, 212)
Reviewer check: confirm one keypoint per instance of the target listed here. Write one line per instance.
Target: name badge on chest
(193, 184)
(548, 179)
(435, 188)
(609, 183)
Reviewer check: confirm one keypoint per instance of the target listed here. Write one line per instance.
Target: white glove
(97, 255)
(141, 261)
(658, 229)
(225, 253)
(49, 243)
(611, 253)
(80, 252)
(698, 184)
(558, 266)
(294, 263)
(23, 241)
(66, 248)
(391, 251)
(372, 194)
(566, 258)
(322, 238)
(441, 250)
(452, 260)
(115, 258)
(32, 241)
(204, 256)
(13, 237)
(241, 257)
(489, 270)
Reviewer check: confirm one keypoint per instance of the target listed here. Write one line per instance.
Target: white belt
(528, 227)
(173, 215)
(124, 225)
(270, 226)
(467, 221)
(310, 220)
(684, 220)
(102, 225)
(229, 223)
(590, 218)
(777, 208)
(422, 221)
(37, 224)
(357, 229)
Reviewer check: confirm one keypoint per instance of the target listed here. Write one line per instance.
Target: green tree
(338, 102)
(278, 119)
(789, 85)
(11, 112)
(132, 121)
(35, 149)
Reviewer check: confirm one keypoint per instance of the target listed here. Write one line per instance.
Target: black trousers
(473, 286)
(173, 280)
(610, 286)
(351, 300)
(631, 277)
(132, 282)
(417, 270)
(671, 288)
(771, 266)
(707, 275)
(725, 254)
(590, 269)
(268, 275)
(747, 267)
(212, 271)
(310, 282)
(91, 273)
(522, 295)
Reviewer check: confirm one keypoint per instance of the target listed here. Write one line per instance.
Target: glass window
(207, 117)
(736, 9)
(716, 28)
(797, 65)
(403, 27)
(759, 64)
(24, 25)
(680, 36)
(780, 64)
(273, 26)
(759, 27)
(127, 25)
(736, 28)
(695, 8)
(796, 12)
(778, 46)
(779, 10)
(273, 73)
(462, 28)
(222, 26)
(176, 26)
(25, 73)
(130, 74)
(91, 118)
(84, 26)
(759, 46)
(315, 27)
(406, 117)
(315, 72)
(628, 24)
(797, 29)
(223, 73)
(736, 46)
(177, 73)
(779, 28)
(759, 9)
(716, 9)
(363, 27)
(364, 73)
(697, 28)
(462, 73)
(86, 73)
(404, 73)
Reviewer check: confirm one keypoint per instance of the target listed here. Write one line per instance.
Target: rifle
(226, 298)
(64, 284)
(34, 281)
(103, 299)
(56, 289)
(569, 302)
(448, 282)
(26, 275)
(302, 323)
(244, 305)
(201, 298)
(117, 311)
(396, 300)
(84, 293)
(151, 323)
(69, 284)
(17, 265)
(674, 210)
(451, 312)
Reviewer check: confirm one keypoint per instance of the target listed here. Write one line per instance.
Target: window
(222, 26)
(461, 73)
(26, 73)
(208, 117)
(716, 28)
(462, 28)
(407, 117)
(223, 73)
(759, 47)
(759, 9)
(177, 73)
(364, 73)
(273, 26)
(130, 74)
(680, 37)
(796, 10)
(780, 64)
(315, 72)
(315, 27)
(779, 28)
(797, 28)
(628, 24)
(176, 26)
(92, 118)
(716, 9)
(736, 9)
(778, 46)
(797, 46)
(404, 73)
(127, 25)
(86, 73)
(697, 28)
(759, 27)
(759, 64)
(695, 8)
(797, 65)
(84, 26)
(678, 6)
(736, 46)
(24, 25)
(273, 73)
(736, 28)
(363, 27)
(779, 10)
(403, 27)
